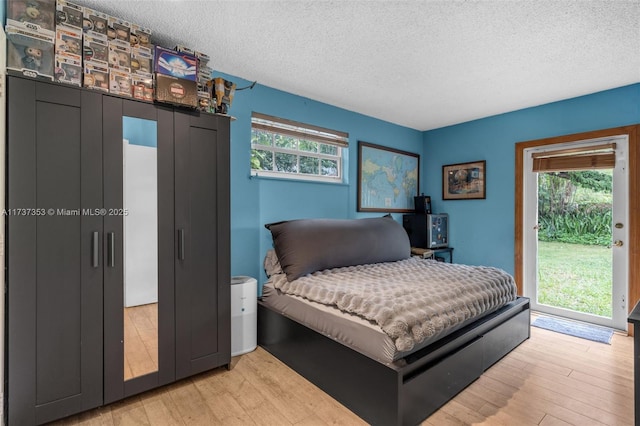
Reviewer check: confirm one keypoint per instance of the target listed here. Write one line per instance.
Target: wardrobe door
(139, 332)
(202, 271)
(54, 269)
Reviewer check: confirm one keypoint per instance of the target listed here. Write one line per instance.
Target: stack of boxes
(68, 50)
(119, 33)
(176, 77)
(141, 63)
(95, 50)
(203, 77)
(76, 45)
(31, 37)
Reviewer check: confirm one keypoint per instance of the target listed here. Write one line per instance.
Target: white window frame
(300, 131)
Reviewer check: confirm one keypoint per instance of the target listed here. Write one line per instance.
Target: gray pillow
(307, 245)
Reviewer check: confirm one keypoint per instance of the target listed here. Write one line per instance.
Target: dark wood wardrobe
(73, 251)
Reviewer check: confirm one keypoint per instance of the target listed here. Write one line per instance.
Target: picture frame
(464, 181)
(388, 179)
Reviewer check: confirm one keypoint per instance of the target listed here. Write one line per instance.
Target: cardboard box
(119, 55)
(69, 42)
(32, 15)
(142, 87)
(204, 102)
(95, 49)
(69, 14)
(184, 49)
(118, 29)
(141, 62)
(96, 76)
(95, 23)
(30, 53)
(176, 91)
(204, 74)
(119, 82)
(203, 58)
(175, 64)
(68, 71)
(141, 38)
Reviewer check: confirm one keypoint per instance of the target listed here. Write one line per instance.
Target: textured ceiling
(421, 64)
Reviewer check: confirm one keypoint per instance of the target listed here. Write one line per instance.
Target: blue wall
(256, 201)
(482, 231)
(139, 131)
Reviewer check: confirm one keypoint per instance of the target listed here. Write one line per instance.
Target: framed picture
(388, 179)
(465, 181)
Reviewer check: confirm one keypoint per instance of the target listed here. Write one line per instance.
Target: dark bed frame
(409, 390)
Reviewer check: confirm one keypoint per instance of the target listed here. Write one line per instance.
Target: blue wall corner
(482, 231)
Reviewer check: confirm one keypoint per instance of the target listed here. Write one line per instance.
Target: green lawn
(575, 276)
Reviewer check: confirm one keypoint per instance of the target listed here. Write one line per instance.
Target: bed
(390, 336)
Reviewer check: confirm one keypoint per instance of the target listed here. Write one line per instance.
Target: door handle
(95, 240)
(111, 249)
(180, 244)
(618, 243)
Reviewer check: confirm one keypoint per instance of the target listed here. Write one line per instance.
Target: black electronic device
(427, 230)
(422, 204)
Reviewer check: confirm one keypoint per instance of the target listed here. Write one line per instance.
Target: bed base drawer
(503, 338)
(432, 388)
(384, 394)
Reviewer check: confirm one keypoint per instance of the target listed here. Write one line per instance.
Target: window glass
(288, 149)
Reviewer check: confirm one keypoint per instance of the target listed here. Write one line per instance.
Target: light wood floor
(140, 340)
(551, 379)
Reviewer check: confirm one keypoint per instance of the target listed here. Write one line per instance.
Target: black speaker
(422, 204)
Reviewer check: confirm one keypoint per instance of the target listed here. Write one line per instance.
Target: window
(288, 149)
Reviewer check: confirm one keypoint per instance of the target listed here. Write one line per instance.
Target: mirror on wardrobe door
(140, 242)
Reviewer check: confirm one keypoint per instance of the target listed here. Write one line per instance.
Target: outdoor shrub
(588, 224)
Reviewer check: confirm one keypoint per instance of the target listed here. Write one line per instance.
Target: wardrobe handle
(111, 248)
(181, 244)
(95, 249)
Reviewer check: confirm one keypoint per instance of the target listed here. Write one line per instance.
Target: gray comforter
(411, 300)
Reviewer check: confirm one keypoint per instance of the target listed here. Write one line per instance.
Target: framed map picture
(464, 181)
(388, 179)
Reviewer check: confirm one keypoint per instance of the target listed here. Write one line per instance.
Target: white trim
(341, 144)
(295, 176)
(3, 115)
(621, 214)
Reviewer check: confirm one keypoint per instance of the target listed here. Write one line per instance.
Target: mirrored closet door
(139, 247)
